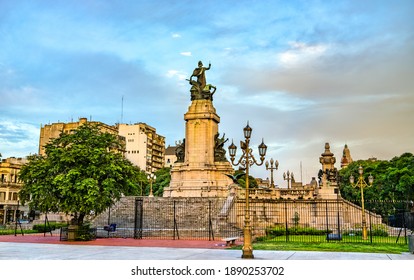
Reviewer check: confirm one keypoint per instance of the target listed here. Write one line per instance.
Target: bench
(110, 228)
(230, 240)
(334, 236)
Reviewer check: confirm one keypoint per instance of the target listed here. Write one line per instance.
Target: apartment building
(51, 131)
(144, 147)
(10, 186)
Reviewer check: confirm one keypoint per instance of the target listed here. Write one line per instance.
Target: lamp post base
(247, 243)
(247, 253)
(364, 233)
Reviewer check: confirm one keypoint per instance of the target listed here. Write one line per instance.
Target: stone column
(199, 175)
(329, 188)
(201, 126)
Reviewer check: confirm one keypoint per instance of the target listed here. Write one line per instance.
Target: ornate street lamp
(362, 184)
(246, 160)
(151, 177)
(288, 176)
(271, 168)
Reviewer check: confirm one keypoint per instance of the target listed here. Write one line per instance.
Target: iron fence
(331, 220)
(280, 220)
(77, 233)
(189, 218)
(219, 218)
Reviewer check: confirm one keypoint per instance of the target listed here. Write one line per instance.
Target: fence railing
(331, 220)
(77, 233)
(280, 220)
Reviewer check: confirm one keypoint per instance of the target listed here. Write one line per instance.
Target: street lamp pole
(246, 160)
(288, 176)
(151, 177)
(271, 168)
(362, 184)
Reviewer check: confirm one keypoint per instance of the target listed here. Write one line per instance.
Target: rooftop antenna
(122, 108)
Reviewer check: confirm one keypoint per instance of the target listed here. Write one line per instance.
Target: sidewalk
(39, 247)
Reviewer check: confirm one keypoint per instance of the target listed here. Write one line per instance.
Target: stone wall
(191, 217)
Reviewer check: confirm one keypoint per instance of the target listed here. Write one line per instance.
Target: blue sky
(301, 72)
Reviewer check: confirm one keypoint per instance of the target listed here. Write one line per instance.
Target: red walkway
(30, 238)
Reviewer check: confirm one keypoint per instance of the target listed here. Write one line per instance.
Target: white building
(144, 147)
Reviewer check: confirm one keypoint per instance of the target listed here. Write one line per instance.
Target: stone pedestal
(199, 175)
(72, 232)
(329, 187)
(329, 193)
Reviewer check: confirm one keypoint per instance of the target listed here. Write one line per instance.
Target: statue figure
(200, 73)
(219, 151)
(320, 174)
(331, 175)
(200, 89)
(180, 151)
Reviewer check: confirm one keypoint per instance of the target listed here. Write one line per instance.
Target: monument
(328, 175)
(201, 166)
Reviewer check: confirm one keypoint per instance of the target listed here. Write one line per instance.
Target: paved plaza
(50, 248)
(36, 251)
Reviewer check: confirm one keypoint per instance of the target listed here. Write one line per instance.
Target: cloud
(276, 100)
(18, 139)
(301, 53)
(177, 74)
(302, 73)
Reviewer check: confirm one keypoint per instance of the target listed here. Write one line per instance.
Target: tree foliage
(82, 173)
(162, 181)
(393, 180)
(242, 180)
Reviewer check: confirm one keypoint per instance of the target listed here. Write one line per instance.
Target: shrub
(85, 233)
(379, 230)
(48, 227)
(376, 230)
(281, 230)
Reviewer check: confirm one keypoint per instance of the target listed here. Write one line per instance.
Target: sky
(302, 73)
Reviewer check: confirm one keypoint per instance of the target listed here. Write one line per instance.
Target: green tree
(163, 180)
(82, 174)
(242, 180)
(393, 180)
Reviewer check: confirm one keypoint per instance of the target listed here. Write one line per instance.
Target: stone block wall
(197, 217)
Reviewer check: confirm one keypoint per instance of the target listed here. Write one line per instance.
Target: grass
(379, 244)
(11, 231)
(332, 246)
(345, 239)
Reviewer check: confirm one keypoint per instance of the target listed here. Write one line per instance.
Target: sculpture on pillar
(180, 151)
(320, 175)
(219, 151)
(328, 160)
(331, 175)
(199, 88)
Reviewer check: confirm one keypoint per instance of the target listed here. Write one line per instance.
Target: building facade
(10, 186)
(170, 156)
(52, 131)
(144, 147)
